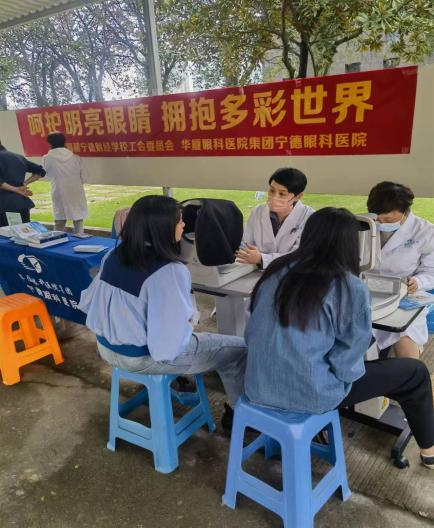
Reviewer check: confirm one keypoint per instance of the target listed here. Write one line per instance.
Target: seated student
(139, 305)
(274, 228)
(311, 326)
(119, 220)
(405, 248)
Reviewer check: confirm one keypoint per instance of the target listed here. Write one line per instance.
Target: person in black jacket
(14, 193)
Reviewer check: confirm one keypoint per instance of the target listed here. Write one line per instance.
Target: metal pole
(152, 43)
(154, 68)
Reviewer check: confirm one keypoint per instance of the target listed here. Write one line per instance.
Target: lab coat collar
(293, 219)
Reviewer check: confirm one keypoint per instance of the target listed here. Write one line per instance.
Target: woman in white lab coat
(65, 172)
(275, 228)
(405, 248)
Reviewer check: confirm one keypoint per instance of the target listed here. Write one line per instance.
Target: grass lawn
(103, 201)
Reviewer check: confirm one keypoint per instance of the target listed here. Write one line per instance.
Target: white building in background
(348, 60)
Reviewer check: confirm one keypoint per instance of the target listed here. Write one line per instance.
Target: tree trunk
(304, 57)
(3, 100)
(285, 42)
(39, 96)
(52, 82)
(99, 92)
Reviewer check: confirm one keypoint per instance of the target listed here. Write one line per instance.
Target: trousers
(59, 225)
(205, 352)
(406, 381)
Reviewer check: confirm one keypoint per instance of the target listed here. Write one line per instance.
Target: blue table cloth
(55, 274)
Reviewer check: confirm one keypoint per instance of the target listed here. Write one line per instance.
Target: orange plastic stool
(24, 321)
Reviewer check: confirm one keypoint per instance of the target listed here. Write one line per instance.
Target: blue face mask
(388, 228)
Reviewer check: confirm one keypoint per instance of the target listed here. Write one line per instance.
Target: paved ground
(55, 471)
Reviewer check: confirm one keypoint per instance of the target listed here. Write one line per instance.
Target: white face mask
(391, 227)
(278, 205)
(388, 228)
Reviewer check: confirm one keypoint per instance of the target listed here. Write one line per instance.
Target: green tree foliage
(303, 32)
(100, 50)
(224, 41)
(126, 19)
(33, 74)
(85, 47)
(6, 72)
(68, 58)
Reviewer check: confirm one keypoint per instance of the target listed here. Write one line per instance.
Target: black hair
(149, 231)
(389, 196)
(293, 179)
(329, 249)
(2, 147)
(56, 140)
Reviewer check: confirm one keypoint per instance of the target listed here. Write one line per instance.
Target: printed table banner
(361, 113)
(56, 274)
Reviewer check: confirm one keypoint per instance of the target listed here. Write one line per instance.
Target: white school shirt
(65, 173)
(408, 253)
(259, 231)
(149, 306)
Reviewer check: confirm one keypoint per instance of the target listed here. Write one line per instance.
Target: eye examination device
(386, 291)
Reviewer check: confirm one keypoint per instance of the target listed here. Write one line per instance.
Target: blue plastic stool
(165, 435)
(291, 435)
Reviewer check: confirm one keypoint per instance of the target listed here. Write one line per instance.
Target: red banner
(361, 113)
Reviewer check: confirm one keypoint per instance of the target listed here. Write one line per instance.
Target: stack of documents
(35, 234)
(51, 238)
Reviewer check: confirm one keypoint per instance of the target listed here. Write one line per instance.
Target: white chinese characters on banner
(50, 291)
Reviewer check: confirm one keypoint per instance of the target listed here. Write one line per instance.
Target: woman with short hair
(405, 248)
(274, 228)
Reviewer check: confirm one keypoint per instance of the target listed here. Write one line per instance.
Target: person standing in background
(14, 194)
(65, 172)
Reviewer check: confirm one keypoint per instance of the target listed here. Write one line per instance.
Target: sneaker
(427, 461)
(227, 418)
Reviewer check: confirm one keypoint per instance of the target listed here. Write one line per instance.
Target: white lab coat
(259, 231)
(409, 252)
(65, 172)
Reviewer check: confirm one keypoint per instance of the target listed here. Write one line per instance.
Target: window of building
(352, 67)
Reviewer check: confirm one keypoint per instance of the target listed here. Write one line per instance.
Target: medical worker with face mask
(405, 248)
(275, 228)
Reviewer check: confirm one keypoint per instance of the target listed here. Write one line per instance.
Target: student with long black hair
(139, 305)
(311, 326)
